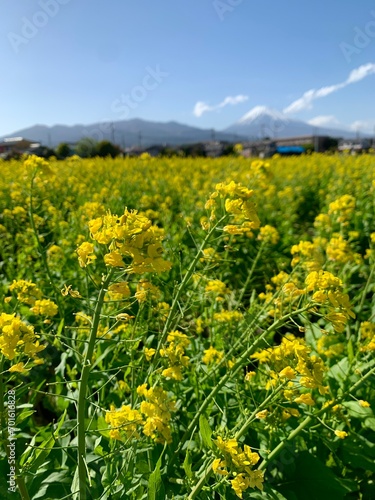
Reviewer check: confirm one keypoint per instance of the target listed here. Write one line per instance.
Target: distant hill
(258, 123)
(262, 122)
(128, 133)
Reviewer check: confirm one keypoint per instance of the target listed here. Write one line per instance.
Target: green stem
(41, 250)
(208, 472)
(204, 478)
(83, 385)
(249, 276)
(19, 479)
(232, 372)
(310, 418)
(262, 406)
(364, 292)
(240, 342)
(178, 294)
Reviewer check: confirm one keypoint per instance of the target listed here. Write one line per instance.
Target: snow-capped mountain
(262, 121)
(262, 111)
(258, 123)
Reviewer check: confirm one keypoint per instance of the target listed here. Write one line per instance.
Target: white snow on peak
(262, 111)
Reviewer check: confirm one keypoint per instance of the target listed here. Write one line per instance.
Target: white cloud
(202, 107)
(305, 102)
(360, 73)
(323, 121)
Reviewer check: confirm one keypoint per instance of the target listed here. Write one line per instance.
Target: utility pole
(112, 133)
(316, 139)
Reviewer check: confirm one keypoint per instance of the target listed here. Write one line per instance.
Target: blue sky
(85, 61)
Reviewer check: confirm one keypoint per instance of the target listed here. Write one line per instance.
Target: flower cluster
(212, 356)
(328, 291)
(342, 208)
(146, 290)
(174, 352)
(228, 316)
(238, 204)
(133, 242)
(269, 235)
(157, 408)
(292, 361)
(367, 331)
(309, 254)
(34, 162)
(338, 250)
(27, 292)
(17, 338)
(218, 288)
(119, 291)
(45, 307)
(238, 462)
(124, 422)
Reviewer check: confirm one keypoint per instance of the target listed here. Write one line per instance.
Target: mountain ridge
(259, 122)
(262, 121)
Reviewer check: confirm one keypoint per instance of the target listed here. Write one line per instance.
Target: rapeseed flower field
(188, 328)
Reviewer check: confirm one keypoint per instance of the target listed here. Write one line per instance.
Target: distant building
(214, 149)
(320, 143)
(262, 149)
(355, 146)
(289, 145)
(134, 151)
(155, 150)
(13, 146)
(290, 150)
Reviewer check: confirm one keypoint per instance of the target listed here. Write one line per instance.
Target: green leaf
(102, 427)
(30, 448)
(359, 452)
(187, 465)
(59, 425)
(155, 485)
(24, 415)
(205, 431)
(143, 467)
(340, 371)
(98, 450)
(310, 479)
(357, 411)
(74, 489)
(369, 423)
(33, 458)
(39, 457)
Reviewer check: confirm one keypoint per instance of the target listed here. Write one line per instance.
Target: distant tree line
(88, 148)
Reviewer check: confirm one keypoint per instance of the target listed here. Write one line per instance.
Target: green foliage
(106, 148)
(63, 150)
(182, 343)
